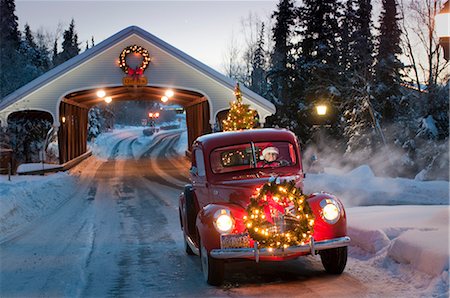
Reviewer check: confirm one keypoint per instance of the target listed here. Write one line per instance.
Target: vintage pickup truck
(228, 168)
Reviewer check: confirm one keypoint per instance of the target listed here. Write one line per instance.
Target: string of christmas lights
(285, 203)
(138, 50)
(240, 116)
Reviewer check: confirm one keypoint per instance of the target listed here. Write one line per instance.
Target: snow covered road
(118, 234)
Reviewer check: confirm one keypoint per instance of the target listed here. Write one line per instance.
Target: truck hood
(240, 191)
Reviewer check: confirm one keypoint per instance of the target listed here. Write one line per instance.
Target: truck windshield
(252, 155)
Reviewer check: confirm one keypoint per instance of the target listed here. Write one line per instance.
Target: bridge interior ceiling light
(101, 93)
(108, 99)
(169, 93)
(164, 99)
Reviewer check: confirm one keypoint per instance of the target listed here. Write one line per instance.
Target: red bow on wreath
(272, 204)
(137, 72)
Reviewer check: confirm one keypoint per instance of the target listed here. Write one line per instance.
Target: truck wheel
(187, 248)
(334, 259)
(213, 269)
(191, 210)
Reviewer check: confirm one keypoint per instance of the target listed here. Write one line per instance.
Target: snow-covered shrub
(27, 137)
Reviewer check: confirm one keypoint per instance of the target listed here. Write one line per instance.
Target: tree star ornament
(279, 216)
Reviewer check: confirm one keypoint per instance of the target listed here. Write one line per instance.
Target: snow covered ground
(397, 225)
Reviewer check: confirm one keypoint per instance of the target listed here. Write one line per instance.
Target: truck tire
(334, 259)
(191, 211)
(213, 269)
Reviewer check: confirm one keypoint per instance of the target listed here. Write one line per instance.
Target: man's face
(270, 156)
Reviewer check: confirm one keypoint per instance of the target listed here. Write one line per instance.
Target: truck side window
(200, 162)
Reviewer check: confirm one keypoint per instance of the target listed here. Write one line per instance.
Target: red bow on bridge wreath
(136, 73)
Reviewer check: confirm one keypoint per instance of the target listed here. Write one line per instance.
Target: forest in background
(384, 80)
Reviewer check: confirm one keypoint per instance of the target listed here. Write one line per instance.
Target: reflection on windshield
(245, 156)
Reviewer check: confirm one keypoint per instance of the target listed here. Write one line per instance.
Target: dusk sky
(202, 29)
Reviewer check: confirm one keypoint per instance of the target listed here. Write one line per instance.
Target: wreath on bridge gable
(139, 70)
(279, 201)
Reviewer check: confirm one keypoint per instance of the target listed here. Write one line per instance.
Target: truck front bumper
(255, 252)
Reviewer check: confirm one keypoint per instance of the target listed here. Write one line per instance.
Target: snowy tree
(258, 75)
(388, 65)
(363, 40)
(27, 136)
(35, 54)
(279, 72)
(319, 48)
(9, 28)
(9, 43)
(70, 45)
(95, 122)
(348, 29)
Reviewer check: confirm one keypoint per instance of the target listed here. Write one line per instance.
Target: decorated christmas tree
(240, 116)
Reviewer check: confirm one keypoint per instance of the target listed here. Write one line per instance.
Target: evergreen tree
(363, 40)
(55, 53)
(357, 64)
(43, 58)
(319, 48)
(70, 45)
(10, 78)
(279, 73)
(258, 78)
(9, 28)
(347, 44)
(29, 39)
(92, 42)
(388, 65)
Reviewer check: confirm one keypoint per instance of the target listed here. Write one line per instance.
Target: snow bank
(360, 188)
(413, 235)
(25, 199)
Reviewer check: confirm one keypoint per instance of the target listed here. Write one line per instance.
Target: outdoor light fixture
(108, 99)
(169, 93)
(150, 115)
(442, 26)
(156, 114)
(101, 93)
(164, 98)
(321, 109)
(63, 119)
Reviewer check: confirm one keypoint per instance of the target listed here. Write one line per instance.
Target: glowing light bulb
(101, 93)
(169, 93)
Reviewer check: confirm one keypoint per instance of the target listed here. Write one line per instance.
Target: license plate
(234, 241)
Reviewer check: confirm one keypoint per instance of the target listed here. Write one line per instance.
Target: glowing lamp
(63, 119)
(156, 114)
(164, 99)
(108, 99)
(101, 93)
(150, 115)
(321, 110)
(169, 93)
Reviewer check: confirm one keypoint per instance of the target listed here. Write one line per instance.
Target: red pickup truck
(223, 221)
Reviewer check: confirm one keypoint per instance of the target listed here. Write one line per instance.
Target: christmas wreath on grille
(279, 201)
(141, 68)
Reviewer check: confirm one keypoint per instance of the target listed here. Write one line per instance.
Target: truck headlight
(330, 211)
(223, 221)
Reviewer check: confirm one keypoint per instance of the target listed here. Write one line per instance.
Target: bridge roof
(97, 68)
